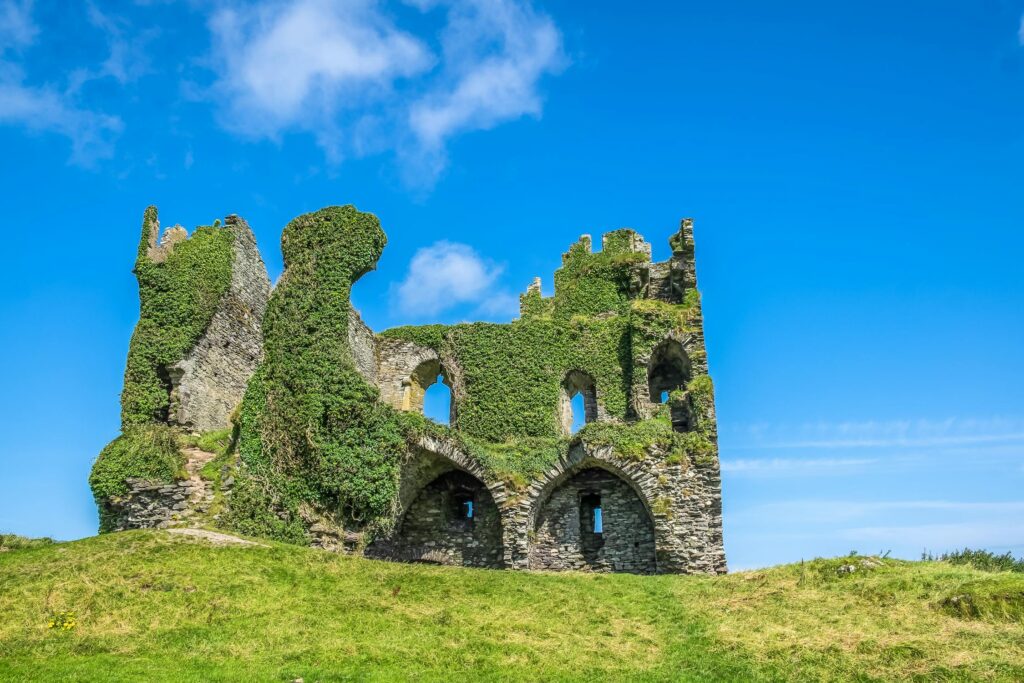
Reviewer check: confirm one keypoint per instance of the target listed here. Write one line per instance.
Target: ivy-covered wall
(318, 455)
(313, 434)
(178, 293)
(182, 281)
(508, 378)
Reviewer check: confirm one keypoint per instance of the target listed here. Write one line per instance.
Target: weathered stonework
(155, 505)
(210, 381)
(596, 508)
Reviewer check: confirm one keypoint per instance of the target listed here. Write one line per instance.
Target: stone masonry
(657, 514)
(209, 383)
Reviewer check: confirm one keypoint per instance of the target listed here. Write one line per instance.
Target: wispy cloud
(16, 26)
(348, 74)
(839, 510)
(942, 537)
(445, 275)
(884, 433)
(794, 466)
(495, 53)
(44, 108)
(127, 58)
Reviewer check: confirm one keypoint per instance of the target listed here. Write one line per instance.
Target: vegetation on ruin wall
(151, 452)
(179, 297)
(514, 372)
(312, 430)
(508, 417)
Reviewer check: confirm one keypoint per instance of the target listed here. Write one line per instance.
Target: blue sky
(855, 173)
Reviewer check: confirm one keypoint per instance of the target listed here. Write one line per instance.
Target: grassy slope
(149, 606)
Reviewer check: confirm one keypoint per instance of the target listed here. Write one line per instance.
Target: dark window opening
(668, 370)
(462, 507)
(680, 415)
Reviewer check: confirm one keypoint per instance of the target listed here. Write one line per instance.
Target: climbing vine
(178, 296)
(312, 429)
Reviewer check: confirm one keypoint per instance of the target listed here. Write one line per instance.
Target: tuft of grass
(984, 560)
(9, 542)
(148, 605)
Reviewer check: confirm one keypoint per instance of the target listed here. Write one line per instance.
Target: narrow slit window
(462, 508)
(578, 412)
(591, 519)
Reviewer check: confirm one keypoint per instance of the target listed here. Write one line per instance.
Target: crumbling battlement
(331, 448)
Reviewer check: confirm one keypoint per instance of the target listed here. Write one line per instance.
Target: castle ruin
(327, 442)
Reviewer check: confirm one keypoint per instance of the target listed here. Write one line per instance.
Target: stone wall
(153, 505)
(363, 346)
(210, 381)
(659, 517)
(436, 528)
(564, 535)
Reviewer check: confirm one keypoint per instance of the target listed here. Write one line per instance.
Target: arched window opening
(593, 520)
(429, 391)
(437, 401)
(579, 401)
(668, 370)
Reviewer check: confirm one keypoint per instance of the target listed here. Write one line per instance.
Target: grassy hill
(160, 607)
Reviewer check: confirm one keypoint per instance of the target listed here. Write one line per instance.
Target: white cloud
(445, 275)
(495, 53)
(349, 75)
(45, 110)
(299, 64)
(1020, 31)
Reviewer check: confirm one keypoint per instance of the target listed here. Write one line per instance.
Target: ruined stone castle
(321, 422)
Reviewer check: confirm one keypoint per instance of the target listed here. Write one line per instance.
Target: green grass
(155, 607)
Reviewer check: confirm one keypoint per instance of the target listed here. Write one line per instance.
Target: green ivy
(151, 452)
(179, 297)
(312, 430)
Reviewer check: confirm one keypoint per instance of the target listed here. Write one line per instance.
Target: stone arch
(420, 379)
(438, 485)
(561, 532)
(670, 369)
(577, 382)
